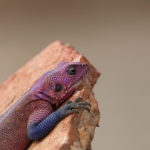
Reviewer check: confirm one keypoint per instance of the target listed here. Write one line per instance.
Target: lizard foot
(78, 104)
(71, 107)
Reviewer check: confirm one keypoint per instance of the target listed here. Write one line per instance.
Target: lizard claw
(76, 111)
(78, 99)
(68, 102)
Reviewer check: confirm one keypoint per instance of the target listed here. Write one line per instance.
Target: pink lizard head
(59, 83)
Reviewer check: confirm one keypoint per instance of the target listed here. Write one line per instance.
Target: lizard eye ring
(71, 70)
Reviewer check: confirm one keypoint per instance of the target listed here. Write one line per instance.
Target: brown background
(113, 35)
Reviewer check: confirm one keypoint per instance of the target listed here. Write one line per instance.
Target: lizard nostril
(83, 65)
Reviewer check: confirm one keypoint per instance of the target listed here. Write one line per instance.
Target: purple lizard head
(58, 84)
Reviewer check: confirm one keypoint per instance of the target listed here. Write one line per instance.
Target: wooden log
(77, 130)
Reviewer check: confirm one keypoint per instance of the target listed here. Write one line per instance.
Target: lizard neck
(43, 95)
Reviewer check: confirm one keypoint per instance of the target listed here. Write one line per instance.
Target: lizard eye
(58, 88)
(71, 70)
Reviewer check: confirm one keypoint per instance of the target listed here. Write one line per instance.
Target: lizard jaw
(76, 85)
(79, 81)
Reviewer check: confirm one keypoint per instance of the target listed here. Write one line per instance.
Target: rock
(77, 130)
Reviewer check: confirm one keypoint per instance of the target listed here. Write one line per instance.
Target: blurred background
(113, 35)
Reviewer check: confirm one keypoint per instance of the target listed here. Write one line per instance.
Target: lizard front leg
(41, 122)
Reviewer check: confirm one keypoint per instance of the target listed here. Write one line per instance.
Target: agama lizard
(34, 115)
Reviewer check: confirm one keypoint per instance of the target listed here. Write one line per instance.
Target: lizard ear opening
(58, 88)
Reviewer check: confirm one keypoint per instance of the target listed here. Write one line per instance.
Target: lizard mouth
(77, 81)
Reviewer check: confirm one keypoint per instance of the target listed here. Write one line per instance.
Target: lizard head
(63, 80)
